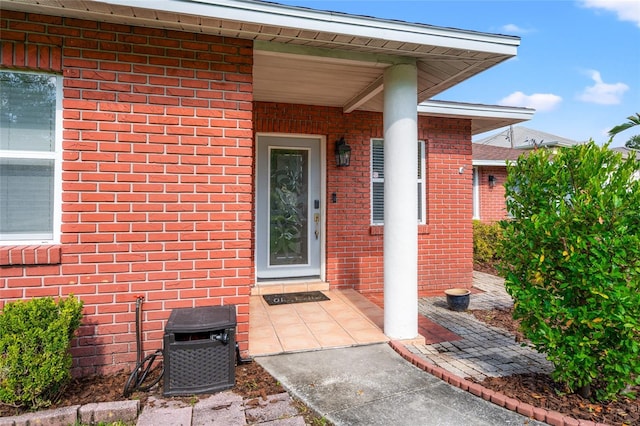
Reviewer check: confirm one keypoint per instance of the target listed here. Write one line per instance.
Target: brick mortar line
(553, 418)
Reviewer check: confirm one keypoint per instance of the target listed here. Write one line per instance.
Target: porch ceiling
(309, 56)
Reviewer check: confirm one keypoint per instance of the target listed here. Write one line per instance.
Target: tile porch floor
(348, 319)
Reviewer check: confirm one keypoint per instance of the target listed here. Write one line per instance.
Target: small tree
(633, 142)
(571, 259)
(632, 121)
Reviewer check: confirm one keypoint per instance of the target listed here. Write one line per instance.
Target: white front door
(289, 225)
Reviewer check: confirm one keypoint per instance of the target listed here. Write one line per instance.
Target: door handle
(316, 220)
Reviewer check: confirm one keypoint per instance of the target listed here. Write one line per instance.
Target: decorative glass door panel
(289, 206)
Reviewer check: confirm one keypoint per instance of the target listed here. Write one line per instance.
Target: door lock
(316, 220)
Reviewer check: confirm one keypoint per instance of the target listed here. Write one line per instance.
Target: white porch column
(400, 202)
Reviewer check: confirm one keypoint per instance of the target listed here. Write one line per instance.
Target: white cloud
(538, 101)
(627, 10)
(603, 93)
(514, 29)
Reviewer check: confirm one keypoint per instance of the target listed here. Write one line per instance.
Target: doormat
(301, 297)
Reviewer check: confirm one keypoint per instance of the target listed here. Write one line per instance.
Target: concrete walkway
(373, 385)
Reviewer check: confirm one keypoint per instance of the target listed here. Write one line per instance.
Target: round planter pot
(458, 299)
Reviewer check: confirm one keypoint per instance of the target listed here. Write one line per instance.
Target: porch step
(262, 288)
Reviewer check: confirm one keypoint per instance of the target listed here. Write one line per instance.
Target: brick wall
(492, 202)
(446, 254)
(354, 247)
(157, 178)
(158, 182)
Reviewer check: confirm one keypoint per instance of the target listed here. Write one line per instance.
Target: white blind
(377, 182)
(27, 146)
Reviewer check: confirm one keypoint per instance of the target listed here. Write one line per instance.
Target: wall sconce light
(492, 181)
(343, 153)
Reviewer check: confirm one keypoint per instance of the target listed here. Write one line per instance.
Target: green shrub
(35, 363)
(571, 259)
(486, 237)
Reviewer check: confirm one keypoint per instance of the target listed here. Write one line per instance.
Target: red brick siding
(354, 248)
(446, 254)
(492, 201)
(157, 182)
(157, 178)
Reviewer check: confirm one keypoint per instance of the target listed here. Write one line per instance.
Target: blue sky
(578, 63)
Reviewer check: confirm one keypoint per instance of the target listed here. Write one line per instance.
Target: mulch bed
(540, 390)
(252, 382)
(486, 268)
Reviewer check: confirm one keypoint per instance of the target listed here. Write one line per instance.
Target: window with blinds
(377, 182)
(29, 156)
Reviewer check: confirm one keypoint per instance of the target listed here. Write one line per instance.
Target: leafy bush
(571, 259)
(486, 237)
(35, 362)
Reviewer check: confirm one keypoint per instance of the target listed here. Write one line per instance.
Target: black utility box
(199, 350)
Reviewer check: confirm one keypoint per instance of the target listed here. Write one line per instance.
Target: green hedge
(486, 237)
(572, 263)
(35, 363)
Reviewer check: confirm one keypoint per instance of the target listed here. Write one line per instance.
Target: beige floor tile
(267, 289)
(336, 340)
(349, 316)
(331, 334)
(359, 324)
(308, 308)
(316, 314)
(256, 302)
(327, 327)
(318, 286)
(285, 320)
(296, 288)
(347, 319)
(370, 335)
(261, 346)
(292, 330)
(299, 343)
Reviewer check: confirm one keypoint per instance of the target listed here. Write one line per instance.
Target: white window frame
(421, 180)
(476, 194)
(56, 156)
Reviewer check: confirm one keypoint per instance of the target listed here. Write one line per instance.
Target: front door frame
(321, 140)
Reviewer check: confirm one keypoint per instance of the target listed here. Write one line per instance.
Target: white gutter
(489, 162)
(465, 110)
(274, 15)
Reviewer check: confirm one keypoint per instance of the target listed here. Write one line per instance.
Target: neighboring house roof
(524, 138)
(308, 56)
(497, 149)
(492, 151)
(626, 152)
(489, 155)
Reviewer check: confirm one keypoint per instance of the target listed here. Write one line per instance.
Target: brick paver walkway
(483, 350)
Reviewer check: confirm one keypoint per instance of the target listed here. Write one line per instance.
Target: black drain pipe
(139, 301)
(136, 381)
